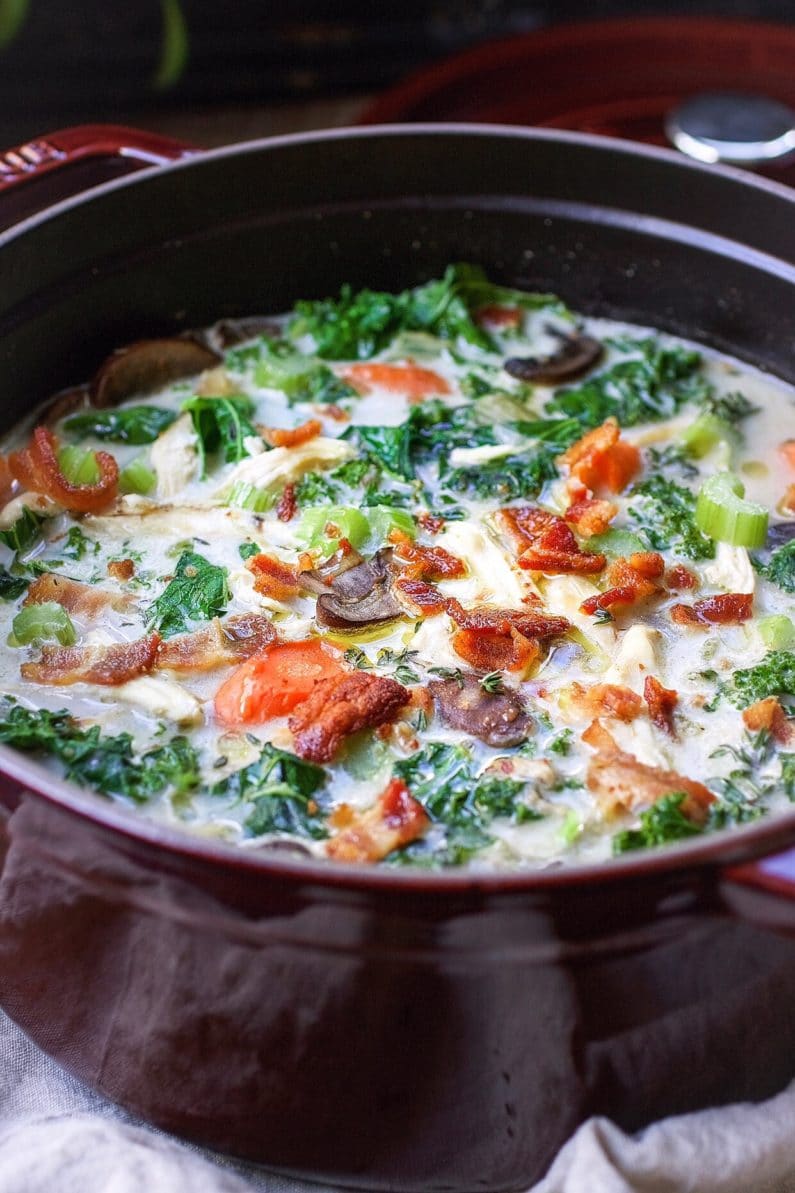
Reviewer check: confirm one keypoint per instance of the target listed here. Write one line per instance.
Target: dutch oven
(383, 1029)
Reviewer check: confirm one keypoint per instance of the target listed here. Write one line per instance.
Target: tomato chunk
(273, 683)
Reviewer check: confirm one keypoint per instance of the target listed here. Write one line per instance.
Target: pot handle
(54, 151)
(60, 165)
(762, 892)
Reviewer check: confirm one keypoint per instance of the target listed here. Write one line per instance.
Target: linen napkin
(56, 1136)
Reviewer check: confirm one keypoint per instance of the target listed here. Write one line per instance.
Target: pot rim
(716, 850)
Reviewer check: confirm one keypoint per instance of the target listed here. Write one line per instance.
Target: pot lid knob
(727, 126)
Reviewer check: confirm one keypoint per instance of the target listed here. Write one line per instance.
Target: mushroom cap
(577, 353)
(496, 718)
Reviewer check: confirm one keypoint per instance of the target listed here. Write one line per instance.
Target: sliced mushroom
(576, 354)
(149, 365)
(322, 578)
(359, 597)
(496, 718)
(229, 332)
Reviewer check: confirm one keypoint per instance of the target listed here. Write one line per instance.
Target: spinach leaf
(664, 513)
(131, 424)
(11, 587)
(442, 778)
(279, 365)
(649, 387)
(280, 787)
(357, 325)
(659, 824)
(222, 425)
(198, 592)
(774, 676)
(24, 533)
(106, 764)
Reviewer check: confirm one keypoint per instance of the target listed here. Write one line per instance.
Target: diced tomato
(412, 380)
(273, 683)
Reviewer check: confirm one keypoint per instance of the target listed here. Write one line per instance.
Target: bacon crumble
(341, 705)
(727, 608)
(545, 543)
(394, 820)
(107, 665)
(661, 703)
(36, 467)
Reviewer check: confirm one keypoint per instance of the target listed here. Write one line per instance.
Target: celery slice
(723, 513)
(248, 497)
(78, 464)
(137, 478)
(42, 623)
(702, 435)
(777, 631)
(614, 543)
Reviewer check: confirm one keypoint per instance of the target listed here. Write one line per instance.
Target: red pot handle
(763, 892)
(54, 151)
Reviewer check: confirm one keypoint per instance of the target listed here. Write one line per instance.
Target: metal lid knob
(727, 126)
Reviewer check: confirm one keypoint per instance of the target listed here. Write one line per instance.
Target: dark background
(177, 64)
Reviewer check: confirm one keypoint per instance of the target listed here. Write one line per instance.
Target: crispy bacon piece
(495, 316)
(768, 714)
(219, 644)
(292, 436)
(433, 523)
(545, 542)
(631, 581)
(501, 639)
(36, 467)
(679, 576)
(605, 700)
(85, 600)
(332, 410)
(597, 736)
(285, 510)
(342, 705)
(591, 515)
(106, 665)
(727, 608)
(273, 578)
(394, 820)
(602, 459)
(619, 781)
(661, 703)
(121, 569)
(418, 598)
(425, 563)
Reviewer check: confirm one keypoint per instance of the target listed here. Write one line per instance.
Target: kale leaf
(279, 365)
(507, 478)
(774, 676)
(664, 513)
(77, 544)
(131, 424)
(442, 778)
(664, 821)
(430, 431)
(731, 407)
(357, 325)
(280, 787)
(106, 764)
(198, 592)
(649, 387)
(780, 567)
(222, 425)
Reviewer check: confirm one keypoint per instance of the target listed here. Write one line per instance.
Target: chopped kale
(672, 461)
(507, 478)
(731, 407)
(431, 431)
(650, 386)
(357, 325)
(664, 821)
(787, 762)
(780, 567)
(774, 676)
(131, 424)
(248, 549)
(280, 787)
(664, 513)
(106, 764)
(743, 791)
(557, 432)
(279, 365)
(442, 778)
(198, 592)
(222, 425)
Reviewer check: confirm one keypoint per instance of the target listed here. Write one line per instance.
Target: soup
(451, 577)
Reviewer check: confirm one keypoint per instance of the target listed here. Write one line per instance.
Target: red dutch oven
(382, 1029)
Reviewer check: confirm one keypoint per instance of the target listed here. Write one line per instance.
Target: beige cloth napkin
(56, 1136)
